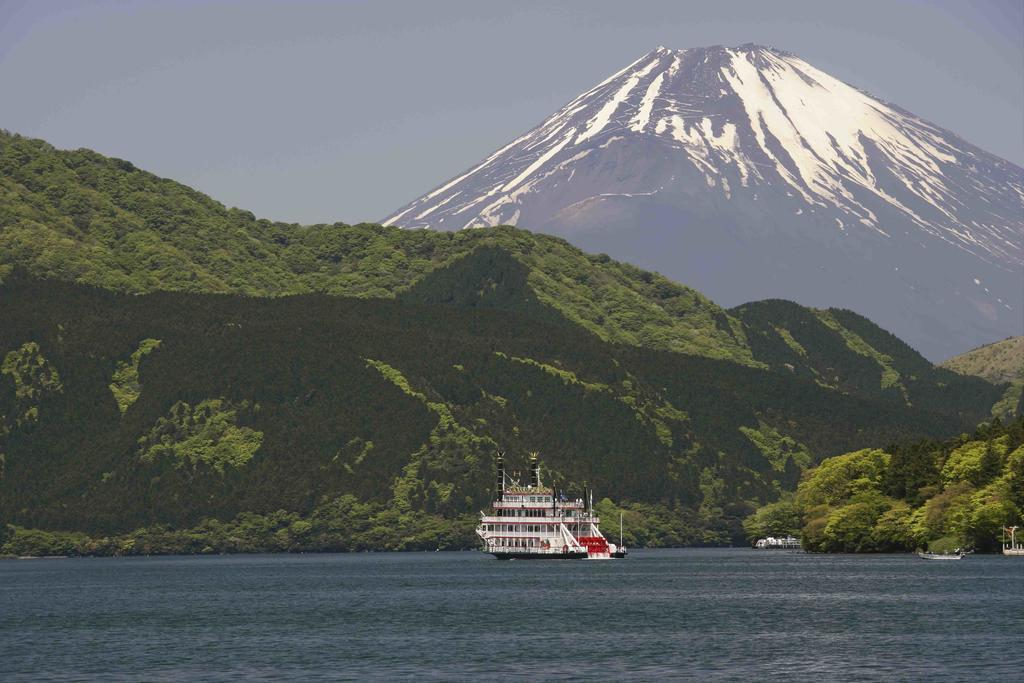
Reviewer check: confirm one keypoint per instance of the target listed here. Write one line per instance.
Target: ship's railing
(551, 533)
(532, 550)
(543, 505)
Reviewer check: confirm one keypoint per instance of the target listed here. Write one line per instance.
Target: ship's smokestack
(534, 471)
(500, 488)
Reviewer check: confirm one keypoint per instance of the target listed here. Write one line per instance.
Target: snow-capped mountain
(748, 173)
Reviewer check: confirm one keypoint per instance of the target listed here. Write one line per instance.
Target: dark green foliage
(914, 470)
(77, 215)
(479, 339)
(647, 426)
(339, 525)
(846, 351)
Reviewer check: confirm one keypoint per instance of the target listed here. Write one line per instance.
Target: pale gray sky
(318, 111)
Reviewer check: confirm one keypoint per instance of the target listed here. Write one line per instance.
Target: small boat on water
(533, 522)
(1012, 547)
(941, 556)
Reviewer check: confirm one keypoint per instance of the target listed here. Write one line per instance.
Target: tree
(986, 524)
(781, 518)
(989, 466)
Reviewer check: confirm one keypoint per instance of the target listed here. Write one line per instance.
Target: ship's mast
(499, 492)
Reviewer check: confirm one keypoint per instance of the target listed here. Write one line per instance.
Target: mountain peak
(757, 150)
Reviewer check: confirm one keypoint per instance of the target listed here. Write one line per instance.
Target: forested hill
(77, 215)
(939, 495)
(127, 410)
(165, 360)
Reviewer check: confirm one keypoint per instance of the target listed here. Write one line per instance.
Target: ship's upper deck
(539, 498)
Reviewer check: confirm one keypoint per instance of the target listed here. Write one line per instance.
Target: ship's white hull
(926, 556)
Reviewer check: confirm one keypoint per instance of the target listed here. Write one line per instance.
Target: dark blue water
(670, 614)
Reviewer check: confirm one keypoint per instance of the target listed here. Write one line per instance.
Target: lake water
(661, 614)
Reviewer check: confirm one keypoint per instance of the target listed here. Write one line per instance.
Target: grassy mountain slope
(998, 363)
(1002, 361)
(125, 410)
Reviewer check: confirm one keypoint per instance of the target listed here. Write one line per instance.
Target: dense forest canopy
(124, 411)
(166, 361)
(939, 495)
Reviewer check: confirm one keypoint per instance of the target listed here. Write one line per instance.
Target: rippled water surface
(668, 614)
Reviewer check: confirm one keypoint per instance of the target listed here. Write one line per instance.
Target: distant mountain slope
(119, 411)
(81, 216)
(997, 363)
(101, 221)
(1000, 362)
(748, 172)
(845, 351)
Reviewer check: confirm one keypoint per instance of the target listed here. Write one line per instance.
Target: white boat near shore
(940, 556)
(780, 543)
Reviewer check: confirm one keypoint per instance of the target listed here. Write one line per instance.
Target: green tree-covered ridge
(937, 495)
(428, 351)
(81, 216)
(253, 405)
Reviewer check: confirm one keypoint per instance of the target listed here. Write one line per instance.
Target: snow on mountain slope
(748, 173)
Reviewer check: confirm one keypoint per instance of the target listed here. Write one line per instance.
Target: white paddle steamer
(533, 522)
